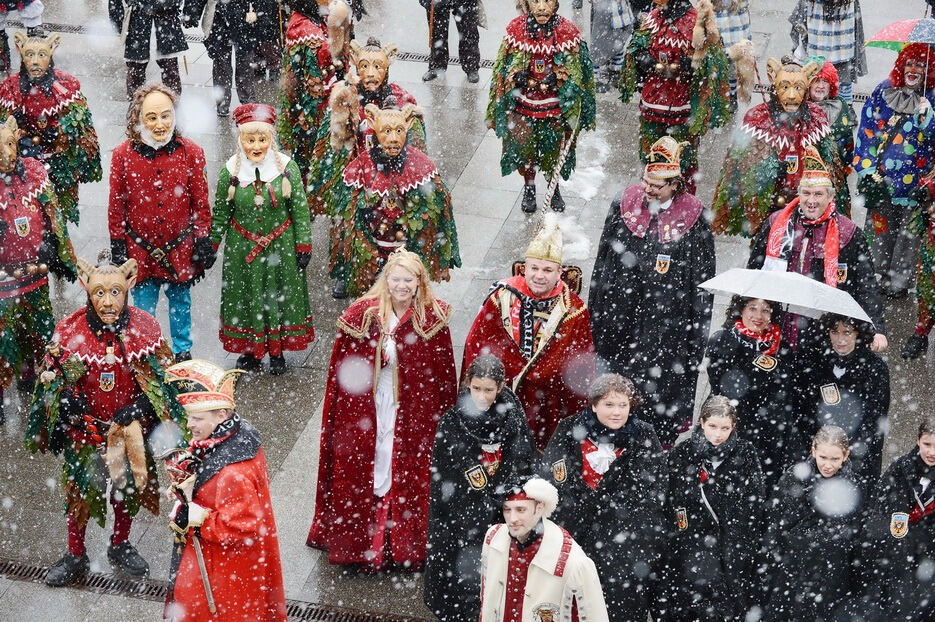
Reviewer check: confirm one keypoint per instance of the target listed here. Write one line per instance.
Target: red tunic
(240, 547)
(26, 221)
(552, 384)
(345, 506)
(40, 110)
(542, 48)
(666, 99)
(159, 197)
(517, 571)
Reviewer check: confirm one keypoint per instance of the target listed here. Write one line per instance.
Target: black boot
(183, 356)
(339, 289)
(248, 363)
(67, 570)
(558, 203)
(915, 346)
(277, 365)
(529, 198)
(127, 560)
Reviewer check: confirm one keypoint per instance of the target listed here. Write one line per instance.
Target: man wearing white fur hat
(531, 568)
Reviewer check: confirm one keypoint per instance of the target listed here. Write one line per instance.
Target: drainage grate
(154, 590)
(73, 29)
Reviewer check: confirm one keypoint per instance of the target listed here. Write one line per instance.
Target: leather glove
(521, 79)
(134, 411)
(118, 251)
(302, 260)
(550, 80)
(645, 62)
(72, 406)
(204, 254)
(921, 195)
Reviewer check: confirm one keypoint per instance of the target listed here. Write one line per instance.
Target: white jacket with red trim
(560, 575)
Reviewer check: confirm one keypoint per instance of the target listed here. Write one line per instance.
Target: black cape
(164, 15)
(813, 542)
(761, 388)
(711, 570)
(652, 326)
(893, 563)
(230, 27)
(858, 401)
(619, 525)
(461, 511)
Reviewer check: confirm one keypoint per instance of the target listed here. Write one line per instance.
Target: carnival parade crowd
(565, 472)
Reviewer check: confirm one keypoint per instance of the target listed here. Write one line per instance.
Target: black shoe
(602, 87)
(529, 198)
(577, 4)
(183, 356)
(67, 570)
(339, 289)
(558, 203)
(429, 75)
(277, 365)
(224, 110)
(473, 77)
(127, 560)
(246, 362)
(914, 347)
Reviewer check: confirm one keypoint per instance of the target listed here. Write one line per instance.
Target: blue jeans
(146, 296)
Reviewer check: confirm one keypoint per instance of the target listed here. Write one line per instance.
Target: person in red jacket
(158, 212)
(223, 508)
(392, 375)
(541, 330)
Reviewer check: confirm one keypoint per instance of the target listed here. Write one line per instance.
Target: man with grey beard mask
(158, 212)
(650, 319)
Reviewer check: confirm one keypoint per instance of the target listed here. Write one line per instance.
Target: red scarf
(780, 235)
(771, 337)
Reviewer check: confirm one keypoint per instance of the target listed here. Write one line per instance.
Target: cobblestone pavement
(493, 232)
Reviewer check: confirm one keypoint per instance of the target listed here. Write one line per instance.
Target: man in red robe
(223, 506)
(541, 331)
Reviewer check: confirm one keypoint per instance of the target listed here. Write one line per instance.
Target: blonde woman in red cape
(392, 375)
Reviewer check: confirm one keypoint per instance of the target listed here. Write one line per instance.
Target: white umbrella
(801, 294)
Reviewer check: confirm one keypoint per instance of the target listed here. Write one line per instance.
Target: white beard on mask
(147, 138)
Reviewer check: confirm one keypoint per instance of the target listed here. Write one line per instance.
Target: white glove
(197, 515)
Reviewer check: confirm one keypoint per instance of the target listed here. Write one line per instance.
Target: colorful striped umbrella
(898, 34)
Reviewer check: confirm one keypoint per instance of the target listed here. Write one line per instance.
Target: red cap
(247, 113)
(520, 496)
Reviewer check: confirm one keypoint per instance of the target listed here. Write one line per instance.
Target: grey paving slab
(28, 601)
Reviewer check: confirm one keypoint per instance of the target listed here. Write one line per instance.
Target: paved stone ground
(493, 232)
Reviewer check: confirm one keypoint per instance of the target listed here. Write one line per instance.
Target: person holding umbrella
(893, 150)
(810, 237)
(749, 364)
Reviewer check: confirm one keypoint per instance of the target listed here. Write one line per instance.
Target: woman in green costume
(264, 294)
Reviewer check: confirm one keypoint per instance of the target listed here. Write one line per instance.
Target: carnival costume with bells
(33, 241)
(223, 516)
(54, 117)
(544, 342)
(676, 61)
(345, 132)
(314, 61)
(763, 165)
(541, 96)
(388, 202)
(261, 212)
(101, 391)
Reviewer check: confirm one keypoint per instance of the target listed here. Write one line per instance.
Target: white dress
(385, 402)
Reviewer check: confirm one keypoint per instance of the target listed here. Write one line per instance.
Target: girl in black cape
(715, 517)
(481, 442)
(749, 364)
(610, 472)
(899, 535)
(841, 382)
(813, 538)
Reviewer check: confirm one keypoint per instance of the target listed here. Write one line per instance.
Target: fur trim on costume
(704, 33)
(743, 55)
(345, 113)
(543, 491)
(339, 28)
